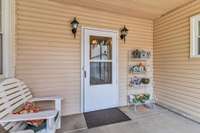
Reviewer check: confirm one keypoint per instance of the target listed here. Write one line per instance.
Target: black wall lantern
(124, 33)
(74, 25)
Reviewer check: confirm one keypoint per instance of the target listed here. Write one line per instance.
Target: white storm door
(100, 75)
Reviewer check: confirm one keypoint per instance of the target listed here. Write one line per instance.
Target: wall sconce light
(124, 33)
(74, 25)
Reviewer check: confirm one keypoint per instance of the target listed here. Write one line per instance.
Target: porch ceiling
(148, 9)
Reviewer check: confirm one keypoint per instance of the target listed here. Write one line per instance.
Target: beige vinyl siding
(146, 9)
(176, 75)
(49, 58)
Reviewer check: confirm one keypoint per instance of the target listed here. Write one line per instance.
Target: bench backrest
(13, 94)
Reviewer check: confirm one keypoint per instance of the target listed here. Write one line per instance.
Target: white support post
(58, 108)
(50, 126)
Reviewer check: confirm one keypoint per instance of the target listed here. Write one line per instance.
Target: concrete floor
(157, 120)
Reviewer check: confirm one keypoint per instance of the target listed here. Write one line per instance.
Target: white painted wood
(29, 116)
(106, 95)
(58, 108)
(19, 126)
(27, 131)
(8, 126)
(50, 126)
(8, 30)
(57, 100)
(14, 93)
(194, 36)
(52, 98)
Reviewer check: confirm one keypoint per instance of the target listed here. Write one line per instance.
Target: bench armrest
(52, 98)
(30, 116)
(25, 131)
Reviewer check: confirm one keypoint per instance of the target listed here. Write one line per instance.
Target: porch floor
(158, 120)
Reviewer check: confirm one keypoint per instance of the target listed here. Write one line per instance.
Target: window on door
(1, 41)
(1, 55)
(100, 60)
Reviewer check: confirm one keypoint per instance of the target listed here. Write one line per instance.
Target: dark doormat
(105, 117)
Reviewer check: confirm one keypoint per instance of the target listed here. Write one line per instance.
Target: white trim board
(194, 36)
(8, 30)
(82, 61)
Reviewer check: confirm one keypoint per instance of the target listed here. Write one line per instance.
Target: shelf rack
(140, 89)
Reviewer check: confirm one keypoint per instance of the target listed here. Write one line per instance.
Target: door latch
(85, 74)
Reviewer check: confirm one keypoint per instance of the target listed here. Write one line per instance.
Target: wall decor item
(138, 82)
(74, 25)
(134, 81)
(140, 68)
(141, 54)
(136, 53)
(140, 78)
(124, 33)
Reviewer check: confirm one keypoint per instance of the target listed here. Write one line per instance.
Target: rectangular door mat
(105, 117)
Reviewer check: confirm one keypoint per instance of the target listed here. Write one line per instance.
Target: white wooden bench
(13, 94)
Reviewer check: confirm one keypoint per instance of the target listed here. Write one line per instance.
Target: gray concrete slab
(157, 120)
(72, 123)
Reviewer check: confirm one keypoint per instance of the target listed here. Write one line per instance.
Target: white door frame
(8, 30)
(82, 62)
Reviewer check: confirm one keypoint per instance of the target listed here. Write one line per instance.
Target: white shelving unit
(148, 73)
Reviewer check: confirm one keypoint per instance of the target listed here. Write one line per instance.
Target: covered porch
(140, 57)
(159, 120)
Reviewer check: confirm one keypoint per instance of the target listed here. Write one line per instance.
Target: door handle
(85, 74)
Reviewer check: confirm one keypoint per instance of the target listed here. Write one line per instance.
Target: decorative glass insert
(100, 73)
(100, 60)
(100, 48)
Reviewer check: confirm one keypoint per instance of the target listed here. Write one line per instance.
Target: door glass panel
(100, 60)
(199, 46)
(1, 43)
(1, 54)
(100, 73)
(100, 48)
(199, 28)
(0, 16)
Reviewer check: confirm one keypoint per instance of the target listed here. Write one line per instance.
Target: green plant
(141, 98)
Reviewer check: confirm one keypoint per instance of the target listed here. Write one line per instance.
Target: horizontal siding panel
(183, 12)
(180, 89)
(195, 102)
(179, 106)
(177, 102)
(176, 75)
(48, 57)
(180, 84)
(61, 16)
(47, 10)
